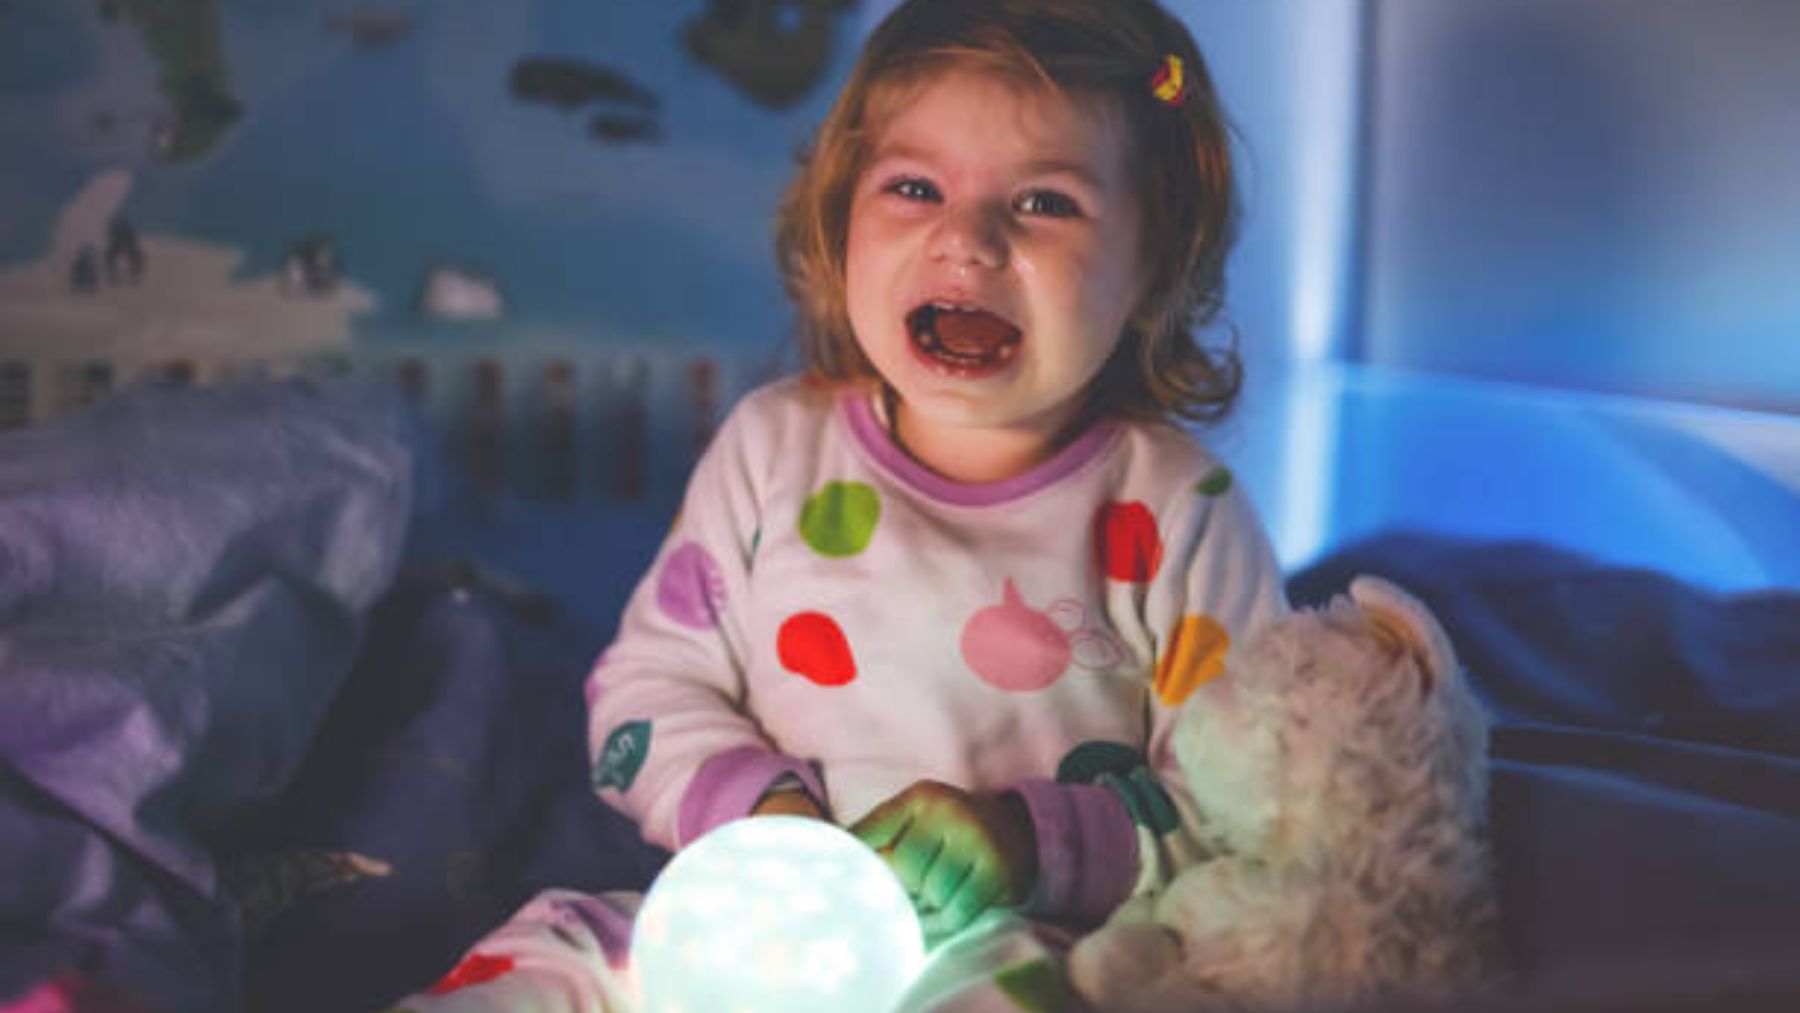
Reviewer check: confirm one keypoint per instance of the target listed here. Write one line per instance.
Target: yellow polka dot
(1195, 655)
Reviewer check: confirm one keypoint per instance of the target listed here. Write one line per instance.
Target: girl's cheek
(896, 210)
(869, 210)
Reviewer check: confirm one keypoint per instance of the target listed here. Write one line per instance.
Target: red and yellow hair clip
(1170, 82)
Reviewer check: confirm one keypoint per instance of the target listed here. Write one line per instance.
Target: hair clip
(1170, 82)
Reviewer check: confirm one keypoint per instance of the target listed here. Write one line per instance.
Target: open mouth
(962, 340)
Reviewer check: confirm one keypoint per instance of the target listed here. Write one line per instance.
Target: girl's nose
(971, 234)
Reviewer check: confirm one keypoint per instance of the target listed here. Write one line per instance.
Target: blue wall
(1589, 193)
(1585, 194)
(393, 128)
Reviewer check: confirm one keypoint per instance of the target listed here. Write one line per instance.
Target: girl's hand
(788, 802)
(956, 853)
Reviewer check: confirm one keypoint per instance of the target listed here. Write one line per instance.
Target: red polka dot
(476, 969)
(812, 645)
(1126, 543)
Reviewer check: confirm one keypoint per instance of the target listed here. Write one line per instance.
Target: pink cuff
(1086, 850)
(729, 785)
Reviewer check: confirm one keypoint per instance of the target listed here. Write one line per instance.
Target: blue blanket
(1645, 798)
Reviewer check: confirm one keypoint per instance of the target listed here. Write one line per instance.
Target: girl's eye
(912, 188)
(1048, 203)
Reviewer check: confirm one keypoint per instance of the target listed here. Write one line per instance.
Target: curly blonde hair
(1183, 178)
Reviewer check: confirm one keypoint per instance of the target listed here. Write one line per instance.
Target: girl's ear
(1405, 620)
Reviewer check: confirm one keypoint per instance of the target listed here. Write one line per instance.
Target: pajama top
(826, 609)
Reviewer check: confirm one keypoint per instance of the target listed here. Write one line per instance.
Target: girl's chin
(973, 414)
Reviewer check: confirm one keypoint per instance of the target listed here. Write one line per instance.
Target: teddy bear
(1341, 767)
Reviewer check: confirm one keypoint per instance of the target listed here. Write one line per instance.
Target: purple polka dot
(690, 590)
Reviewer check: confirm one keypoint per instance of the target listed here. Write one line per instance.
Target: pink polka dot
(1013, 646)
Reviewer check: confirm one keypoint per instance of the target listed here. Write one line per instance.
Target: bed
(283, 730)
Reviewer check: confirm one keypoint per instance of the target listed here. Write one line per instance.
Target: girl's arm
(1229, 585)
(671, 743)
(1133, 825)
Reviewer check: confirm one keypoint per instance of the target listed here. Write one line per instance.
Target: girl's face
(991, 263)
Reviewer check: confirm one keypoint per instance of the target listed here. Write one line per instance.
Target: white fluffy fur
(1342, 766)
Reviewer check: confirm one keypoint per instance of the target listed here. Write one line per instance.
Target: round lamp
(776, 914)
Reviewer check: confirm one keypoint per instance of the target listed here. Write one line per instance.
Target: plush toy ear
(1406, 619)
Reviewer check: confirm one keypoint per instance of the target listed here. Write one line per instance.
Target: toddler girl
(949, 588)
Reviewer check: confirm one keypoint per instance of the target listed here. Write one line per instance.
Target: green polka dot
(839, 519)
(1216, 484)
(1120, 769)
(1144, 799)
(1035, 986)
(1085, 763)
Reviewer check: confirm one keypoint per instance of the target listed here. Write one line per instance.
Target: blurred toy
(570, 84)
(623, 110)
(84, 271)
(1342, 763)
(367, 28)
(312, 266)
(124, 253)
(773, 51)
(459, 292)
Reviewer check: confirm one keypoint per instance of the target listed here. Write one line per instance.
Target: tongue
(971, 332)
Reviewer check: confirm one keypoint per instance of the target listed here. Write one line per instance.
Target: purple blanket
(455, 760)
(183, 580)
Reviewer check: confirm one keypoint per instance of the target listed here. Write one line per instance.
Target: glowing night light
(776, 914)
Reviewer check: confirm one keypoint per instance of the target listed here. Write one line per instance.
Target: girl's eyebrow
(900, 151)
(1081, 171)
(1058, 167)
